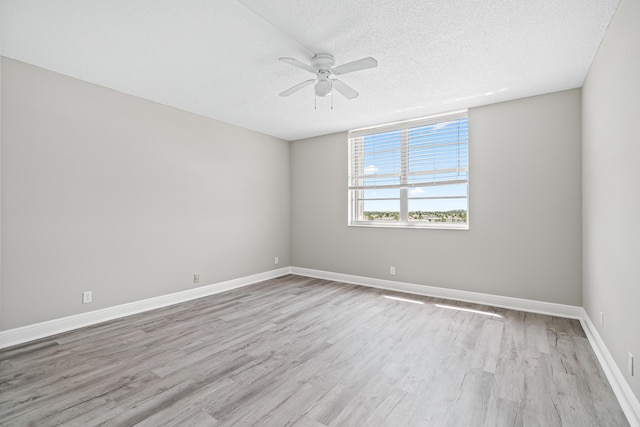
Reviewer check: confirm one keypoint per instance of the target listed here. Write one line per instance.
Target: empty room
(313, 214)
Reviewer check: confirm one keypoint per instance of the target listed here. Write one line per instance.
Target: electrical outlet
(392, 270)
(276, 260)
(87, 297)
(630, 364)
(196, 278)
(601, 318)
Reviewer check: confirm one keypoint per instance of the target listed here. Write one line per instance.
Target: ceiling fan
(322, 65)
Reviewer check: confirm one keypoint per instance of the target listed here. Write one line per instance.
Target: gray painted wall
(0, 193)
(611, 189)
(107, 192)
(525, 209)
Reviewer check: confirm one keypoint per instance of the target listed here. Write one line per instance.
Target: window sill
(429, 226)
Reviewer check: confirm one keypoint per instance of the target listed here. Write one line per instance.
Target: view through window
(411, 174)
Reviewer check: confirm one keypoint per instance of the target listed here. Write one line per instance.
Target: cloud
(416, 191)
(370, 170)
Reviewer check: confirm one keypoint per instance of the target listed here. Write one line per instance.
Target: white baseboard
(40, 330)
(629, 403)
(24, 334)
(553, 309)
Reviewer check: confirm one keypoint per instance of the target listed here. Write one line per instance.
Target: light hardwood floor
(296, 351)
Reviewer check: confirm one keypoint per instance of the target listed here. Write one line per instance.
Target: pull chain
(315, 101)
(331, 94)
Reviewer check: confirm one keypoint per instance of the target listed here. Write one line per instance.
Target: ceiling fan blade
(299, 64)
(360, 64)
(344, 89)
(297, 87)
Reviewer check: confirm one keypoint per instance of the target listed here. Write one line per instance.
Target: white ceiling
(219, 58)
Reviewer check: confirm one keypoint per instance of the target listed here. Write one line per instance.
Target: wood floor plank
(305, 352)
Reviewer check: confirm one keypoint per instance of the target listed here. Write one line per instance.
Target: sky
(437, 152)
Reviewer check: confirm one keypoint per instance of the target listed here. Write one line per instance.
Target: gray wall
(107, 192)
(0, 194)
(525, 209)
(611, 189)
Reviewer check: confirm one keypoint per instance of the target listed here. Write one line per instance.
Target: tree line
(457, 215)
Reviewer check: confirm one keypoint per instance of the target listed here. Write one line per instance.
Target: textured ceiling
(219, 58)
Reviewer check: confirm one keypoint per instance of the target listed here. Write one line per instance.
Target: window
(411, 174)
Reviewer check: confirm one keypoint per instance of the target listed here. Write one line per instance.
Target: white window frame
(356, 174)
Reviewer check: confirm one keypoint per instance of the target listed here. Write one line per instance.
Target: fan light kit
(322, 65)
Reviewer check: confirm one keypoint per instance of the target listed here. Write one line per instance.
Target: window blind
(427, 152)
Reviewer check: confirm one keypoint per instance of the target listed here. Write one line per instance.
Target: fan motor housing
(323, 61)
